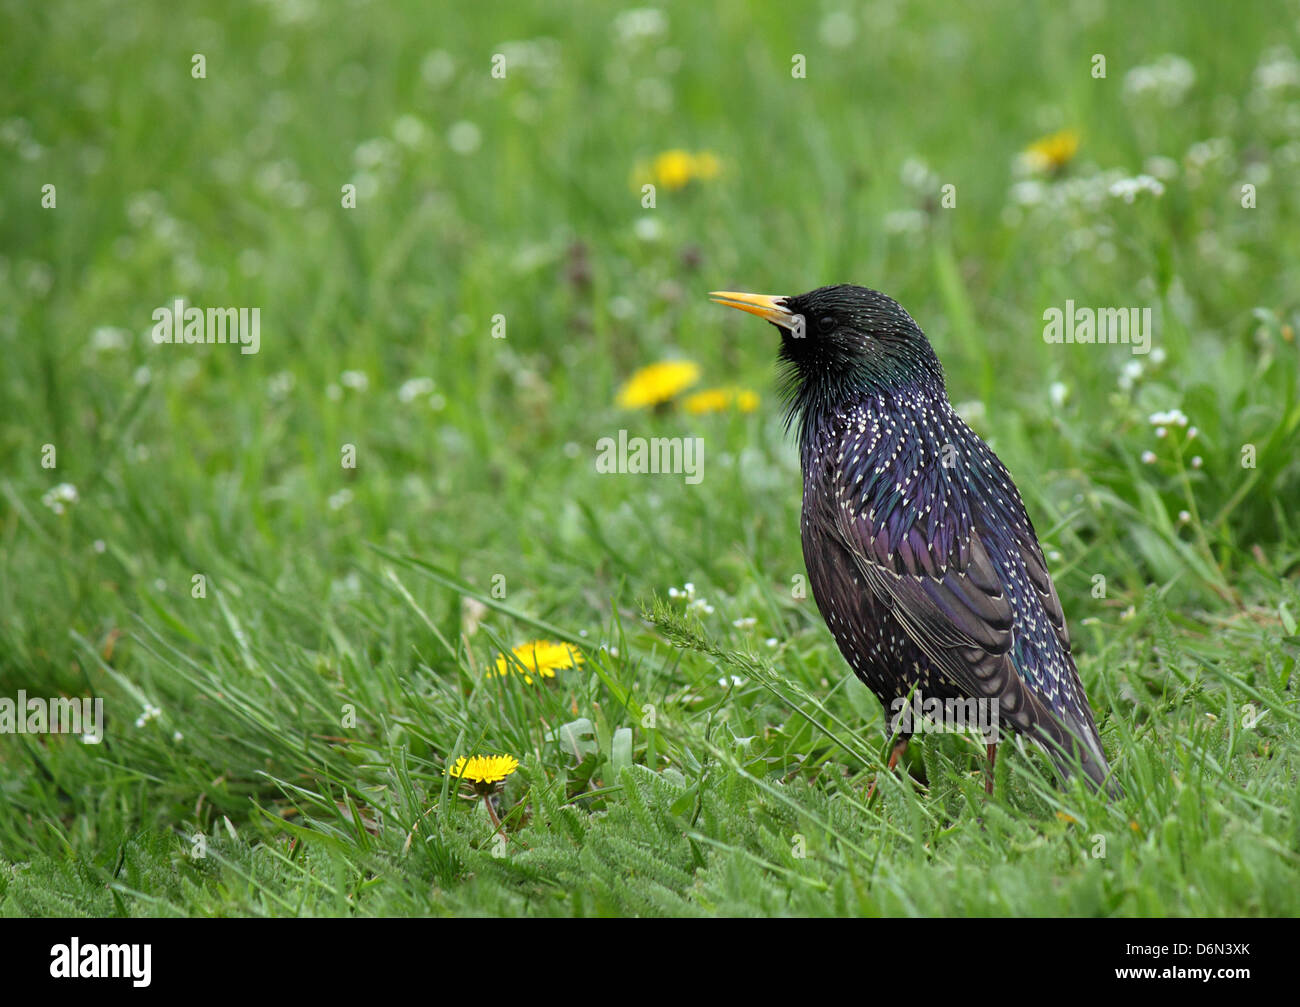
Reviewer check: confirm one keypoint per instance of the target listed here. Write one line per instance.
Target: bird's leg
(900, 746)
(993, 758)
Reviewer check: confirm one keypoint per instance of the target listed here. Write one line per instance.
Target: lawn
(297, 577)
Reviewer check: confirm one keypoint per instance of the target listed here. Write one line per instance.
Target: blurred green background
(479, 196)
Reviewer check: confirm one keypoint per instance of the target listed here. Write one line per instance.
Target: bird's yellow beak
(770, 307)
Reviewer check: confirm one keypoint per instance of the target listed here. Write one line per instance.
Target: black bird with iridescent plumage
(921, 556)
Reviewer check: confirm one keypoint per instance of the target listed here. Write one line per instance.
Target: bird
(920, 553)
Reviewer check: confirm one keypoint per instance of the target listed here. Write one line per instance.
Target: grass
(311, 689)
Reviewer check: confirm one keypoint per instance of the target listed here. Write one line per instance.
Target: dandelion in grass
(483, 773)
(1050, 153)
(483, 776)
(719, 400)
(676, 169)
(542, 657)
(658, 383)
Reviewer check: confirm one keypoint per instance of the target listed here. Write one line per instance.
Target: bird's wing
(935, 572)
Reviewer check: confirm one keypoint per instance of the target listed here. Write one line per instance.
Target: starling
(919, 551)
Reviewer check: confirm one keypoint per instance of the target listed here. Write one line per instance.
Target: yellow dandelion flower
(483, 770)
(717, 400)
(658, 383)
(675, 169)
(1067, 819)
(1051, 153)
(543, 657)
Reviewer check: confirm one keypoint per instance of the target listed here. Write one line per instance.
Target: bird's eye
(826, 323)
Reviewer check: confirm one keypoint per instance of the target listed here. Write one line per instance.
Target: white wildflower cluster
(1173, 417)
(108, 337)
(693, 604)
(1167, 80)
(1087, 192)
(1129, 374)
(748, 622)
(150, 712)
(1128, 189)
(358, 381)
(1163, 422)
(60, 497)
(904, 222)
(640, 23)
(414, 388)
(1209, 157)
(1278, 70)
(918, 177)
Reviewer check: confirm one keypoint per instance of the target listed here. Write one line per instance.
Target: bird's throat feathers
(818, 386)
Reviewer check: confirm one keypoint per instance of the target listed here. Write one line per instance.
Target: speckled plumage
(920, 554)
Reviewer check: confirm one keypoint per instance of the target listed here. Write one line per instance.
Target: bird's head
(840, 343)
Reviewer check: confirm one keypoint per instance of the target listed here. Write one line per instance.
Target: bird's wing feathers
(953, 607)
(938, 577)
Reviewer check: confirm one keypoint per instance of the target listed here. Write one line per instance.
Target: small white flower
(1161, 431)
(1128, 189)
(749, 622)
(356, 380)
(1167, 80)
(1148, 457)
(904, 222)
(838, 29)
(647, 228)
(1058, 393)
(341, 499)
(640, 23)
(280, 384)
(413, 388)
(464, 137)
(107, 337)
(1184, 517)
(1197, 461)
(60, 497)
(409, 131)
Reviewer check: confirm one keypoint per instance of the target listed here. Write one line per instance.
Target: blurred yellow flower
(1051, 153)
(541, 656)
(658, 383)
(483, 771)
(717, 400)
(675, 169)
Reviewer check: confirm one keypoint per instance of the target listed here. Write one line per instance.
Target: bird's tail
(1074, 747)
